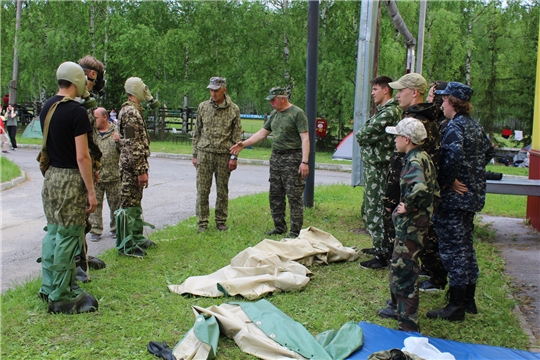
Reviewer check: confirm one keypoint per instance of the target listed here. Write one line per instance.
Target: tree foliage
(176, 46)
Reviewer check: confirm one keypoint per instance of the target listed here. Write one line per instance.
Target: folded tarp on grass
(378, 338)
(270, 266)
(261, 329)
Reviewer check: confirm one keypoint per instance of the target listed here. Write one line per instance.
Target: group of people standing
(421, 194)
(89, 157)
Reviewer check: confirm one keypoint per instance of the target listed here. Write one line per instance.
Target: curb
(9, 184)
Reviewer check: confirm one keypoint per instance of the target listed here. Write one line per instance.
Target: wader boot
(58, 264)
(129, 232)
(455, 310)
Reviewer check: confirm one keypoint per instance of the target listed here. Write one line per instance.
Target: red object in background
(506, 133)
(322, 126)
(5, 100)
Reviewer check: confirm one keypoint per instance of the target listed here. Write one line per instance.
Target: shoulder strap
(48, 120)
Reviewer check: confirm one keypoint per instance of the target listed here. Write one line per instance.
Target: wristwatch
(234, 157)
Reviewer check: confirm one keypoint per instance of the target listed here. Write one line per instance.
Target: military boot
(455, 310)
(469, 302)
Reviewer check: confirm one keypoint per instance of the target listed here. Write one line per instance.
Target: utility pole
(15, 78)
(421, 32)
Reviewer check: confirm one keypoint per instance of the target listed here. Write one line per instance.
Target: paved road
(169, 199)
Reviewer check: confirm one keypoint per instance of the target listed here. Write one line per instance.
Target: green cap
(410, 81)
(276, 91)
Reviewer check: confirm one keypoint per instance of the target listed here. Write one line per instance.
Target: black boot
(469, 303)
(81, 275)
(455, 310)
(81, 304)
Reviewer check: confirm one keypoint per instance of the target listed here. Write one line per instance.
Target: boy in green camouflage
(419, 192)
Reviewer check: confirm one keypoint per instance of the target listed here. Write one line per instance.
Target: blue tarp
(377, 338)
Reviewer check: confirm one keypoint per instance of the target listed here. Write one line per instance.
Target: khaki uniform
(218, 128)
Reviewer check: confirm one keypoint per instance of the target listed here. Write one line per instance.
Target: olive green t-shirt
(286, 127)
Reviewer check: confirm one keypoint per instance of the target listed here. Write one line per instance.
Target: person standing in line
(3, 137)
(11, 124)
(68, 193)
(288, 162)
(107, 139)
(465, 152)
(134, 153)
(419, 192)
(217, 128)
(376, 149)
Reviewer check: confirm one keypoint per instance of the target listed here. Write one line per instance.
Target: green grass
(508, 170)
(136, 306)
(9, 170)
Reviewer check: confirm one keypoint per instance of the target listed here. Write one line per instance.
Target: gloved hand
(161, 350)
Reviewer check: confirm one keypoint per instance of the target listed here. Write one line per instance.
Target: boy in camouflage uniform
(289, 160)
(376, 149)
(135, 150)
(465, 152)
(419, 191)
(218, 127)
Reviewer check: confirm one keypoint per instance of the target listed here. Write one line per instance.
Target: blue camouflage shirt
(465, 152)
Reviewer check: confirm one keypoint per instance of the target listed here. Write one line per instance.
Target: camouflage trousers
(389, 232)
(212, 165)
(431, 259)
(372, 204)
(131, 193)
(404, 269)
(455, 231)
(112, 190)
(64, 203)
(286, 181)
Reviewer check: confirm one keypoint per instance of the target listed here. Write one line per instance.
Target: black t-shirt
(68, 121)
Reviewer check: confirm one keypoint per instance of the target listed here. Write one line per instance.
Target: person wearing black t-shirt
(67, 195)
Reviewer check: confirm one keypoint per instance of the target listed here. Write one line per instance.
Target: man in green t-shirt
(289, 161)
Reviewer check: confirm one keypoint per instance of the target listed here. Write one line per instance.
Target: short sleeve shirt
(286, 127)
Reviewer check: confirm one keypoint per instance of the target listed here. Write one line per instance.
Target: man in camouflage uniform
(289, 160)
(95, 83)
(465, 152)
(376, 149)
(419, 191)
(218, 127)
(134, 153)
(411, 89)
(68, 190)
(107, 138)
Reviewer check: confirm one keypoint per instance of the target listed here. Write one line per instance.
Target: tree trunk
(398, 22)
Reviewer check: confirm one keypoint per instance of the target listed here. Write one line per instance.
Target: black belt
(283, 152)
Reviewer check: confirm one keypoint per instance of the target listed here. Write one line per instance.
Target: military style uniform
(465, 152)
(218, 128)
(286, 127)
(419, 191)
(428, 114)
(376, 149)
(109, 178)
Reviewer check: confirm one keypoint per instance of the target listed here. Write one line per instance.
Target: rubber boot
(138, 229)
(126, 238)
(82, 303)
(469, 302)
(455, 310)
(47, 259)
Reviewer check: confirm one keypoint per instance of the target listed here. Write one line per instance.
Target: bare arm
(304, 168)
(253, 139)
(85, 168)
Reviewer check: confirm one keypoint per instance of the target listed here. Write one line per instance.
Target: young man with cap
(419, 191)
(289, 161)
(218, 127)
(465, 152)
(134, 154)
(376, 149)
(68, 190)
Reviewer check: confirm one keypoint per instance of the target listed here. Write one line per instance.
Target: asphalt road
(169, 199)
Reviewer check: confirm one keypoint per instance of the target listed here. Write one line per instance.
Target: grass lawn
(136, 306)
(9, 170)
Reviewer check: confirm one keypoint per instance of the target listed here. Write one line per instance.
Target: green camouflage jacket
(110, 171)
(135, 140)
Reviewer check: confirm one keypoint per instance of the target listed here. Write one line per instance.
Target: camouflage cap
(410, 127)
(457, 90)
(276, 91)
(216, 83)
(410, 81)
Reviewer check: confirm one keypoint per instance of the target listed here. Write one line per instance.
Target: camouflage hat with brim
(410, 81)
(216, 83)
(276, 91)
(410, 127)
(457, 90)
